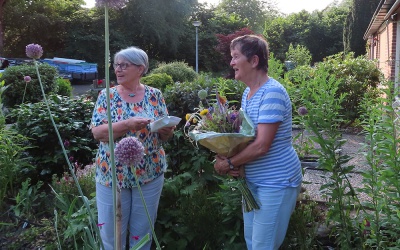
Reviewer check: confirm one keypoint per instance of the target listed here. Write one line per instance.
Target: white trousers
(134, 217)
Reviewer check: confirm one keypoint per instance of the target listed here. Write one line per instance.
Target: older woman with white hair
(133, 106)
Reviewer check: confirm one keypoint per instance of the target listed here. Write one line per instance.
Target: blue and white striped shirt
(280, 167)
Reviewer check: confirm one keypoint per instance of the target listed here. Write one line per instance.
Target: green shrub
(179, 71)
(302, 230)
(182, 98)
(2, 113)
(208, 217)
(191, 193)
(72, 118)
(72, 216)
(14, 77)
(299, 55)
(275, 68)
(64, 87)
(158, 80)
(358, 77)
(13, 161)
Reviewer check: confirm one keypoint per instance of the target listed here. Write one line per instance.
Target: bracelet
(231, 167)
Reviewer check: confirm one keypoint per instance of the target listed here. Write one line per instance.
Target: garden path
(313, 177)
(81, 88)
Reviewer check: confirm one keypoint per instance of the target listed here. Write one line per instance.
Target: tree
(356, 24)
(213, 23)
(300, 55)
(156, 26)
(326, 32)
(320, 32)
(224, 44)
(40, 21)
(2, 4)
(255, 11)
(284, 30)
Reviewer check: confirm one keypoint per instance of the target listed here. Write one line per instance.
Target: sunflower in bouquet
(224, 130)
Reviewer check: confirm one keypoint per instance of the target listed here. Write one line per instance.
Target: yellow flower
(194, 120)
(204, 112)
(188, 116)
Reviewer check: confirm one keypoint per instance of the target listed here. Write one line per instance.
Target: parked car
(73, 69)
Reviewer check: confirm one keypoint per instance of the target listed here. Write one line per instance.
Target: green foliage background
(31, 92)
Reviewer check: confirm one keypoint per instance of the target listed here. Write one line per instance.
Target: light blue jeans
(265, 229)
(133, 212)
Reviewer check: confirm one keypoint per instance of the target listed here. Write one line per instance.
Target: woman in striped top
(271, 165)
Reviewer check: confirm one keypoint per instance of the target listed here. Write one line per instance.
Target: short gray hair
(135, 56)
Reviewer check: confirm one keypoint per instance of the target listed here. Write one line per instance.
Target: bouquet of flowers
(225, 131)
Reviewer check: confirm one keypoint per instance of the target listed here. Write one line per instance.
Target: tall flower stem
(23, 97)
(117, 195)
(71, 168)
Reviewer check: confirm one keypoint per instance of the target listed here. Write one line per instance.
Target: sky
(285, 6)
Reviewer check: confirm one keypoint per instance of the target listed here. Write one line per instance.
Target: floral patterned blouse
(154, 163)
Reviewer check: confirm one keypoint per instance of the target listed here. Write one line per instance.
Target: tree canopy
(164, 29)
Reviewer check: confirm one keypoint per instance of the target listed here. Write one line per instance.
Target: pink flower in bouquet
(129, 151)
(218, 117)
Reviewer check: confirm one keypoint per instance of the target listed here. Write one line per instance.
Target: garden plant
(199, 209)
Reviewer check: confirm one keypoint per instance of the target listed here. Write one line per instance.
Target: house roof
(382, 13)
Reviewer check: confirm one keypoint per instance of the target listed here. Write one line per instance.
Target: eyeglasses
(122, 66)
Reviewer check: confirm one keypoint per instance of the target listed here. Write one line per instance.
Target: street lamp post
(197, 24)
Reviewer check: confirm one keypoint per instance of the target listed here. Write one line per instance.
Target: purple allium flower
(115, 4)
(302, 111)
(66, 143)
(27, 78)
(129, 151)
(71, 158)
(34, 51)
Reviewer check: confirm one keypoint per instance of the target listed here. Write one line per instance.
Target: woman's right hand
(120, 128)
(137, 123)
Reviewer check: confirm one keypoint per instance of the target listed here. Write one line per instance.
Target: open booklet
(166, 121)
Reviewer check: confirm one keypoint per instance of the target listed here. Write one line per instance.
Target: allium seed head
(129, 151)
(302, 111)
(202, 94)
(34, 51)
(115, 4)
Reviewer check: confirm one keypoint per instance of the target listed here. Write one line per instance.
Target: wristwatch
(231, 167)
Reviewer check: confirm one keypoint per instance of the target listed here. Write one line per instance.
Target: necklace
(133, 94)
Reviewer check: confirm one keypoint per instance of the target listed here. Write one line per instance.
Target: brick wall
(384, 50)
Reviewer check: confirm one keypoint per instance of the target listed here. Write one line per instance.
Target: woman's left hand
(221, 166)
(166, 132)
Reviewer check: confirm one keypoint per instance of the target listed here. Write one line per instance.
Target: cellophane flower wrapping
(229, 144)
(226, 144)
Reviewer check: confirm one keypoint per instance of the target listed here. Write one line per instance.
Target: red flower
(99, 82)
(135, 237)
